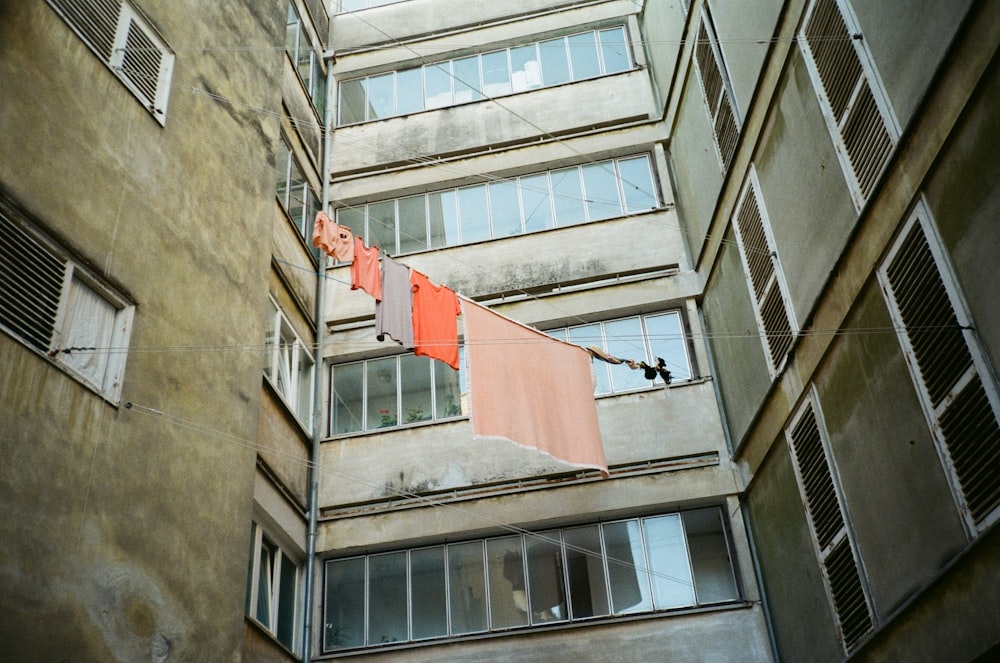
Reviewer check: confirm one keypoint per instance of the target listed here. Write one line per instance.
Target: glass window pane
(505, 209)
(387, 598)
(409, 91)
(383, 409)
(666, 340)
(601, 184)
(627, 568)
(624, 340)
(496, 74)
(344, 607)
(412, 224)
(637, 183)
(282, 161)
(525, 71)
(668, 562)
(415, 379)
(536, 201)
(583, 56)
(546, 589)
(568, 195)
(380, 96)
(467, 587)
(304, 388)
(508, 597)
(382, 226)
(555, 64)
(585, 335)
(585, 568)
(437, 83)
(348, 399)
(352, 101)
(287, 603)
(447, 390)
(264, 579)
(443, 212)
(473, 213)
(614, 50)
(713, 568)
(467, 83)
(429, 605)
(353, 218)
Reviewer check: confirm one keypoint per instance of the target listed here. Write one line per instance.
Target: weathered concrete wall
(739, 29)
(662, 25)
(126, 530)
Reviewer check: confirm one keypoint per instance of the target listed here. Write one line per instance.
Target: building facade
(211, 456)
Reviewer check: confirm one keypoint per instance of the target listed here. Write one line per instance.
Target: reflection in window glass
(409, 91)
(382, 225)
(637, 183)
(504, 209)
(625, 340)
(467, 83)
(614, 50)
(525, 71)
(347, 394)
(546, 592)
(352, 101)
(555, 66)
(627, 568)
(585, 335)
(583, 55)
(387, 598)
(496, 74)
(345, 604)
(713, 568)
(383, 408)
(437, 79)
(467, 587)
(353, 218)
(536, 201)
(666, 340)
(415, 384)
(429, 605)
(568, 196)
(668, 563)
(443, 215)
(412, 224)
(446, 390)
(584, 566)
(601, 188)
(472, 207)
(380, 96)
(508, 594)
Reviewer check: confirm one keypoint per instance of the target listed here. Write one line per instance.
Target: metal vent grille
(939, 346)
(848, 594)
(141, 62)
(31, 281)
(817, 481)
(96, 21)
(720, 106)
(711, 77)
(866, 139)
(727, 133)
(836, 60)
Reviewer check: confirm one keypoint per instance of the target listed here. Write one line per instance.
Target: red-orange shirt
(435, 324)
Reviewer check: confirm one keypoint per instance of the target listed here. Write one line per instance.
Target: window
(393, 391)
(641, 338)
(272, 596)
(55, 306)
(947, 364)
(716, 85)
(355, 5)
(289, 366)
(307, 62)
(294, 193)
(834, 543)
(596, 571)
(126, 42)
(502, 208)
(772, 307)
(476, 77)
(857, 114)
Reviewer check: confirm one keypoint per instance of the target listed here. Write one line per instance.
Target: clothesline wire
(427, 500)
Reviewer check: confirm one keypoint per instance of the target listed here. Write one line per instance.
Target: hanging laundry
(598, 353)
(394, 313)
(435, 327)
(364, 270)
(531, 389)
(333, 239)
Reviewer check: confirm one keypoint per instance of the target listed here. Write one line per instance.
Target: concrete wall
(126, 530)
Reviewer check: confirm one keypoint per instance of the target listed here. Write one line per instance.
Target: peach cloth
(531, 389)
(334, 240)
(435, 324)
(365, 273)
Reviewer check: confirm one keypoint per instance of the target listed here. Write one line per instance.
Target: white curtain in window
(86, 332)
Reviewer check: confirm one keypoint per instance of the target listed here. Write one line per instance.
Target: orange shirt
(435, 327)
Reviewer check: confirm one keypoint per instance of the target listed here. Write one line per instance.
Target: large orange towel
(531, 389)
(435, 328)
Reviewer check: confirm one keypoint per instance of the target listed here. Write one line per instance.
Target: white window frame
(981, 368)
(726, 96)
(154, 94)
(752, 187)
(285, 352)
(275, 587)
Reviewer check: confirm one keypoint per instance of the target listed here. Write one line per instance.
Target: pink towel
(365, 273)
(334, 240)
(435, 327)
(531, 389)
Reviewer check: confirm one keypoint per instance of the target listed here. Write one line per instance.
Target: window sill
(396, 428)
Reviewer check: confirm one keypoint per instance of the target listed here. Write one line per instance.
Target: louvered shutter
(843, 576)
(31, 281)
(717, 97)
(943, 367)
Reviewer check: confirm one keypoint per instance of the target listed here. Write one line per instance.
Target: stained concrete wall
(126, 529)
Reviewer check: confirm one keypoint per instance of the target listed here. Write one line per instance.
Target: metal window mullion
(489, 208)
(409, 597)
(690, 560)
(367, 607)
(485, 559)
(446, 550)
(647, 570)
(433, 390)
(520, 204)
(399, 389)
(255, 570)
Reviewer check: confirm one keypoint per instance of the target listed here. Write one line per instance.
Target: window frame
(283, 365)
(315, 83)
(311, 203)
(259, 540)
(726, 138)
